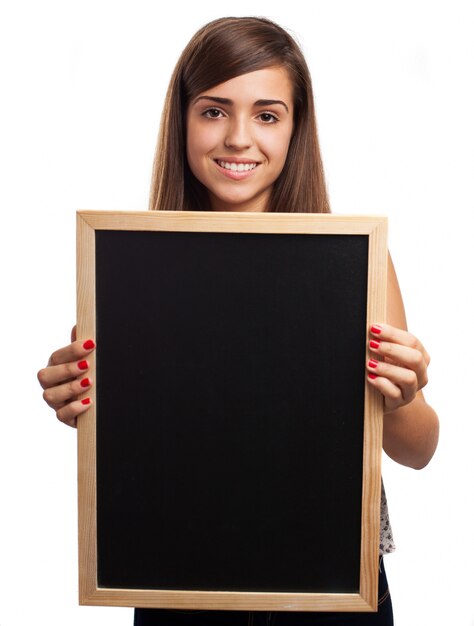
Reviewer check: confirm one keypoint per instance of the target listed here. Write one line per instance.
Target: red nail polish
(85, 382)
(373, 363)
(88, 345)
(374, 344)
(376, 329)
(372, 376)
(86, 401)
(83, 365)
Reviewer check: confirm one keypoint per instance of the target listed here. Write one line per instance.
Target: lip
(235, 175)
(236, 160)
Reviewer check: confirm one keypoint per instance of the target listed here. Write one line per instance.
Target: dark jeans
(172, 617)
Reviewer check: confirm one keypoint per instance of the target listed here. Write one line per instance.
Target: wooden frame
(375, 228)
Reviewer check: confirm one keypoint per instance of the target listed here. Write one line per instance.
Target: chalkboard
(232, 455)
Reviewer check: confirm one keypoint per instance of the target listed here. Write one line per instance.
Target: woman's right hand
(65, 378)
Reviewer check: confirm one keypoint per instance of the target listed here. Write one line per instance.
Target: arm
(410, 433)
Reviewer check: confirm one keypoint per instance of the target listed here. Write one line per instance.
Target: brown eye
(212, 113)
(268, 118)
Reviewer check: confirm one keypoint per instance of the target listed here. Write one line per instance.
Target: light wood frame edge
(373, 423)
(86, 436)
(376, 229)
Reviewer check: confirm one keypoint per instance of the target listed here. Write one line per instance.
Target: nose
(238, 136)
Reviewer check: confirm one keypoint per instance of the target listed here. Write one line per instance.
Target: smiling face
(237, 138)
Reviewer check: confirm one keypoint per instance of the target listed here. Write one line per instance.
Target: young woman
(238, 133)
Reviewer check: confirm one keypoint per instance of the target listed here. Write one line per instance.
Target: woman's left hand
(398, 367)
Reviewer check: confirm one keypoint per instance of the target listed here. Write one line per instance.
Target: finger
(59, 374)
(405, 379)
(73, 333)
(392, 394)
(69, 412)
(409, 358)
(73, 352)
(385, 332)
(57, 396)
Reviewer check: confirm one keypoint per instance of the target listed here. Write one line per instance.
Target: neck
(255, 205)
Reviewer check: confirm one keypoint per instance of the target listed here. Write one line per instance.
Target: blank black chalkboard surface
(231, 456)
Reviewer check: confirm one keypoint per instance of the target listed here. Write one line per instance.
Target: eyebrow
(258, 103)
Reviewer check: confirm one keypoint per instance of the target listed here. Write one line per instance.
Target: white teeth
(237, 167)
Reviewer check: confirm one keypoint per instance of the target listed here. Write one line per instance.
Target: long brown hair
(221, 50)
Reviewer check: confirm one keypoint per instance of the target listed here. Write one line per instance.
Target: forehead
(272, 83)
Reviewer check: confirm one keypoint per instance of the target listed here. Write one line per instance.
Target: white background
(81, 90)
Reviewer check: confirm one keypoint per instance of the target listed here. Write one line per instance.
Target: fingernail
(376, 329)
(83, 365)
(374, 344)
(86, 401)
(89, 344)
(85, 382)
(372, 376)
(372, 363)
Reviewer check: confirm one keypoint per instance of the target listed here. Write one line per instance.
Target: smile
(237, 167)
(236, 170)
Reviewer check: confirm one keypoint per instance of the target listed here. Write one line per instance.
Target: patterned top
(387, 544)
